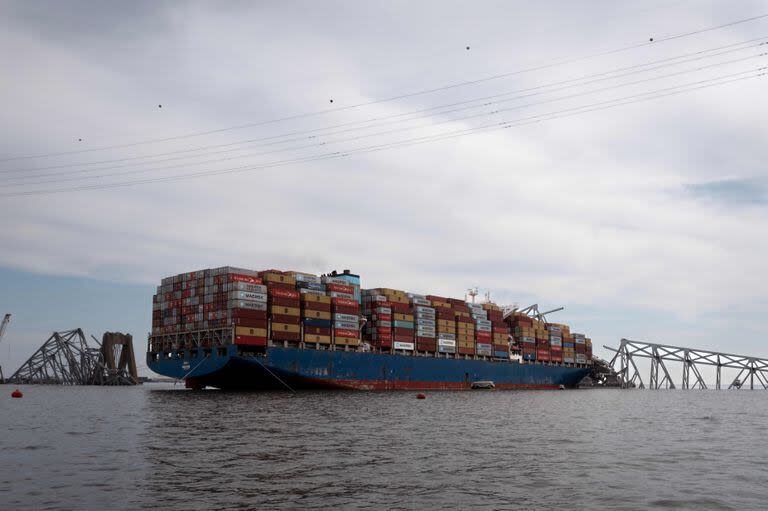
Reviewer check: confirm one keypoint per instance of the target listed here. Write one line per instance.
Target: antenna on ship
(472, 292)
(487, 297)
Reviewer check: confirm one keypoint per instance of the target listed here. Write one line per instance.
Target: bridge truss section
(753, 371)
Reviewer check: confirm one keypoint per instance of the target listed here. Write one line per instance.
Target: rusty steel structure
(67, 359)
(753, 371)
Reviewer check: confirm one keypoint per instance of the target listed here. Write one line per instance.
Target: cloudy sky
(550, 154)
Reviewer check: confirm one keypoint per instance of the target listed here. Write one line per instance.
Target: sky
(604, 156)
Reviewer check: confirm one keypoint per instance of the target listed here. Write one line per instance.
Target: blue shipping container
(322, 323)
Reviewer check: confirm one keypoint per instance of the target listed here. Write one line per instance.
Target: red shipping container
(403, 331)
(424, 339)
(284, 302)
(556, 357)
(283, 292)
(339, 288)
(236, 277)
(317, 330)
(435, 298)
(542, 355)
(382, 317)
(382, 329)
(285, 336)
(444, 314)
(402, 337)
(250, 340)
(345, 302)
(499, 347)
(249, 313)
(384, 343)
(253, 323)
(402, 308)
(462, 319)
(316, 306)
(481, 334)
(283, 318)
(384, 336)
(281, 286)
(426, 345)
(466, 351)
(343, 332)
(347, 310)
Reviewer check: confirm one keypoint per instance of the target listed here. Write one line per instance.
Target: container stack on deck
(445, 324)
(378, 313)
(324, 312)
(345, 307)
(499, 330)
(315, 310)
(425, 331)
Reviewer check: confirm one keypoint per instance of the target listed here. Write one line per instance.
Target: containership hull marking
(312, 369)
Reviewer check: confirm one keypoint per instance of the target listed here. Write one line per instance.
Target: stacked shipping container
(323, 312)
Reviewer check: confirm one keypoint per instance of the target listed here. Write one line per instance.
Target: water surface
(159, 446)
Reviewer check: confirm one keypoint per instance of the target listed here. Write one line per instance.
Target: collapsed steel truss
(66, 359)
(751, 368)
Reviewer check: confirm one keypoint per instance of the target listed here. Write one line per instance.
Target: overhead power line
(555, 63)
(393, 118)
(670, 91)
(370, 135)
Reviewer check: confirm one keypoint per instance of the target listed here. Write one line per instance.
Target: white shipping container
(384, 324)
(311, 292)
(483, 328)
(404, 346)
(446, 349)
(446, 342)
(245, 286)
(446, 336)
(420, 301)
(245, 295)
(346, 317)
(308, 278)
(426, 322)
(579, 340)
(243, 304)
(334, 280)
(336, 294)
(431, 335)
(347, 325)
(555, 342)
(383, 310)
(417, 296)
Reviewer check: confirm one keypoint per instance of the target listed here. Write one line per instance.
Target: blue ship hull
(309, 368)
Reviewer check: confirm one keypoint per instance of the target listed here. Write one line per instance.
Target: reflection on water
(158, 446)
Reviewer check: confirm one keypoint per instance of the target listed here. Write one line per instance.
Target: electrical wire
(605, 75)
(723, 80)
(655, 41)
(379, 133)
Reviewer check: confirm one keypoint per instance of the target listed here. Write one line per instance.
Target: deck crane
(3, 326)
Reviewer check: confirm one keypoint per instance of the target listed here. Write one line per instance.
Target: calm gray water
(156, 447)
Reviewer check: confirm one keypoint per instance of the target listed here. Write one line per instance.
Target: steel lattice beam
(66, 359)
(753, 368)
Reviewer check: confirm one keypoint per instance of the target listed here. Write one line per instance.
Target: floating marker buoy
(421, 396)
(17, 393)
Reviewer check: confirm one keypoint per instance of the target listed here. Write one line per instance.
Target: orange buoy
(421, 396)
(17, 393)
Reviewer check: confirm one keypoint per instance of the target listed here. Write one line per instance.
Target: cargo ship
(240, 329)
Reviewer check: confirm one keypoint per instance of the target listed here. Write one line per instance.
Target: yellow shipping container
(278, 277)
(285, 311)
(397, 316)
(322, 339)
(347, 341)
(246, 330)
(311, 297)
(284, 327)
(315, 314)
